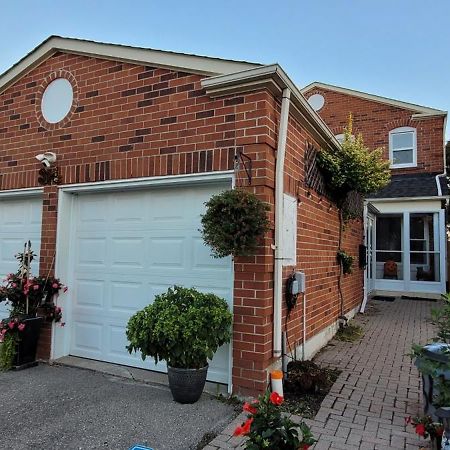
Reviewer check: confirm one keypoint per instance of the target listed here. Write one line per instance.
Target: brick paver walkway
(378, 386)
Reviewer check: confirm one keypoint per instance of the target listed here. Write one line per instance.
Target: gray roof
(414, 185)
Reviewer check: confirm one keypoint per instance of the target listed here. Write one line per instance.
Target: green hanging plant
(345, 261)
(7, 351)
(234, 222)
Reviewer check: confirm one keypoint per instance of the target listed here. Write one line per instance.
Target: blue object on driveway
(140, 447)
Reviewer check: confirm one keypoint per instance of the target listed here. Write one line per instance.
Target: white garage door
(128, 247)
(20, 221)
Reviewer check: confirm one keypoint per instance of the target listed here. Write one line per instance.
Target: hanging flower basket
(234, 222)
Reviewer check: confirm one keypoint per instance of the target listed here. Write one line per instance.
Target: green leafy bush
(182, 326)
(234, 222)
(345, 260)
(354, 167)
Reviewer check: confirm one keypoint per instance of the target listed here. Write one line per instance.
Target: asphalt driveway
(57, 407)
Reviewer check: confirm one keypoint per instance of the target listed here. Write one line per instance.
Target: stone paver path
(378, 386)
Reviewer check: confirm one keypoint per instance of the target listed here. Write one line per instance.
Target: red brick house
(405, 222)
(142, 139)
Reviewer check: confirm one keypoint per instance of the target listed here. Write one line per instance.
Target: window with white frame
(403, 147)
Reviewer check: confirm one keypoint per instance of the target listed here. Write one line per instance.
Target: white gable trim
(157, 58)
(422, 111)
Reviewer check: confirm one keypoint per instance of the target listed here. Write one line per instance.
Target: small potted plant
(183, 327)
(31, 301)
(267, 428)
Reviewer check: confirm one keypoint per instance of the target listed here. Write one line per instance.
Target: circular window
(57, 100)
(316, 101)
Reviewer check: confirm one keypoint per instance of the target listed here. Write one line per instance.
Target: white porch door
(20, 221)
(370, 269)
(128, 247)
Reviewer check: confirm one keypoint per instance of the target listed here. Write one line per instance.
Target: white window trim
(391, 151)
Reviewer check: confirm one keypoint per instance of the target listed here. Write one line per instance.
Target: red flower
(249, 408)
(420, 429)
(11, 325)
(21, 327)
(439, 431)
(36, 287)
(276, 399)
(55, 285)
(305, 446)
(244, 429)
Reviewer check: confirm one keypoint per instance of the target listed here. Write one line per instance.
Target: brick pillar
(47, 257)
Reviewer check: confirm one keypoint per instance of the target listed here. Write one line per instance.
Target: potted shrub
(433, 362)
(267, 428)
(31, 301)
(183, 327)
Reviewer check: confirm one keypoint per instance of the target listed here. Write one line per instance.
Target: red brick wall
(133, 121)
(374, 120)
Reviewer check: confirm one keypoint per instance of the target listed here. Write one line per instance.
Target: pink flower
(14, 285)
(21, 327)
(11, 325)
(36, 287)
(55, 285)
(3, 332)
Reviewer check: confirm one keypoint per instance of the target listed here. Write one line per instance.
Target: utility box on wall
(289, 230)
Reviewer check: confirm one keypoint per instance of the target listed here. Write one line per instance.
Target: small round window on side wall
(316, 101)
(57, 100)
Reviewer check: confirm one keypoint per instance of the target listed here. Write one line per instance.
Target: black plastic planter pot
(439, 352)
(27, 346)
(187, 385)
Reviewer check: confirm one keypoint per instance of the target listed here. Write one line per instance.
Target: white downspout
(279, 190)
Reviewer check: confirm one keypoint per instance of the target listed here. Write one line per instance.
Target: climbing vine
(354, 169)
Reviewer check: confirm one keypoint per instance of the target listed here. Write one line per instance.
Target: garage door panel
(127, 296)
(90, 293)
(92, 251)
(147, 242)
(127, 252)
(87, 336)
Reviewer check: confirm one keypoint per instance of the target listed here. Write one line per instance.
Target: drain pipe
(279, 189)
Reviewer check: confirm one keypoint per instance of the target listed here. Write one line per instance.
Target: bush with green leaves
(234, 222)
(354, 168)
(183, 327)
(345, 260)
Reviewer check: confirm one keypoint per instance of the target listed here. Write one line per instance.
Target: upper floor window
(403, 147)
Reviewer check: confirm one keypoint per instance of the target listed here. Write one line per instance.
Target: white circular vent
(57, 100)
(316, 101)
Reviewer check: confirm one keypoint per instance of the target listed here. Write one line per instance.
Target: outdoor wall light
(48, 174)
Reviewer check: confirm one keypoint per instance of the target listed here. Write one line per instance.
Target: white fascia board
(274, 78)
(202, 65)
(422, 111)
(405, 199)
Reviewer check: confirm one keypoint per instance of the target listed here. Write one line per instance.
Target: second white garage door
(128, 247)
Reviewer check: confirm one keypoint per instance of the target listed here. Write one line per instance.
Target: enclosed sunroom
(406, 238)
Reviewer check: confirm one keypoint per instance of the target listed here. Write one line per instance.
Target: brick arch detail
(61, 73)
(402, 122)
